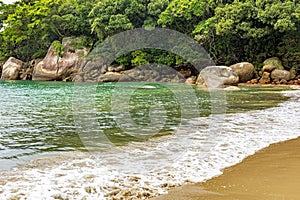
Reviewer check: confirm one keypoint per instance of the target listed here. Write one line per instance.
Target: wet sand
(271, 174)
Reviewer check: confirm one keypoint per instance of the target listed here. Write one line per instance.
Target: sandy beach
(272, 173)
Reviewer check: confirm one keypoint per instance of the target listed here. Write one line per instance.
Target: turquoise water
(38, 117)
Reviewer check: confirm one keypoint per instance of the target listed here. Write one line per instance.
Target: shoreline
(271, 173)
(87, 177)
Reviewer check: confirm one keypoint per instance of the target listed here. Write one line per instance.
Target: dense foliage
(230, 30)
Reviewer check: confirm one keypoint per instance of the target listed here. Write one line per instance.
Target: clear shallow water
(37, 118)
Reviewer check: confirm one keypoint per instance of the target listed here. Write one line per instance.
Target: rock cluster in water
(69, 63)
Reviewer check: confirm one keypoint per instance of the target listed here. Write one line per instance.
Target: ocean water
(44, 148)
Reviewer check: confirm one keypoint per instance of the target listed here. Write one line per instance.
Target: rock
(265, 78)
(152, 73)
(200, 81)
(147, 87)
(276, 62)
(232, 88)
(110, 77)
(186, 73)
(63, 60)
(283, 81)
(278, 75)
(1, 67)
(11, 69)
(244, 70)
(268, 68)
(293, 72)
(26, 72)
(116, 68)
(191, 80)
(253, 81)
(217, 76)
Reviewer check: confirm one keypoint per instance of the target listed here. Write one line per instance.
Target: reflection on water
(37, 117)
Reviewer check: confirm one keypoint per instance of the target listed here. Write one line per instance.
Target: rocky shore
(65, 60)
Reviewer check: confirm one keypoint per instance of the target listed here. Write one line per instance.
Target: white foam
(140, 170)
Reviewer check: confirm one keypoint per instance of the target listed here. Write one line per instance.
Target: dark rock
(186, 73)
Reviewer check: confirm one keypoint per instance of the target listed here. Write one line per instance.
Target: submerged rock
(232, 88)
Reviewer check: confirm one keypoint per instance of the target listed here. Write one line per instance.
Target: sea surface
(131, 140)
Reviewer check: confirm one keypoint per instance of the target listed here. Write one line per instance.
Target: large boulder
(280, 75)
(62, 61)
(244, 70)
(276, 62)
(217, 76)
(11, 69)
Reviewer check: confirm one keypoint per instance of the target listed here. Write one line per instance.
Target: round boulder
(279, 75)
(276, 62)
(244, 70)
(11, 69)
(218, 76)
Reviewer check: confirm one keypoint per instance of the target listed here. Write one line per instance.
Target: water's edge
(184, 157)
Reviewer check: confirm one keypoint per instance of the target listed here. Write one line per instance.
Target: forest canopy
(230, 30)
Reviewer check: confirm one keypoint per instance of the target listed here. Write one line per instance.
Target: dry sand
(271, 174)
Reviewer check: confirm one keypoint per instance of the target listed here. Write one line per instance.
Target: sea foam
(197, 152)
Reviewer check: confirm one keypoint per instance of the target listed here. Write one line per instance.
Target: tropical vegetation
(230, 30)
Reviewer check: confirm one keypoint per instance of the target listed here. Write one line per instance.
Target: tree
(260, 26)
(31, 26)
(111, 17)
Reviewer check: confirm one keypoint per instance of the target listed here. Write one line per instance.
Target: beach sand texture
(271, 174)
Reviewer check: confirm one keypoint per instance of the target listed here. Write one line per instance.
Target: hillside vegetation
(230, 30)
